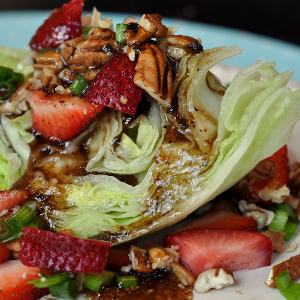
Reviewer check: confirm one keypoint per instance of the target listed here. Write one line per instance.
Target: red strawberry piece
(11, 198)
(61, 117)
(203, 249)
(114, 87)
(57, 251)
(5, 254)
(62, 25)
(118, 257)
(220, 219)
(13, 278)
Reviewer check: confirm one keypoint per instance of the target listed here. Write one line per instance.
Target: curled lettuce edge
(247, 134)
(14, 148)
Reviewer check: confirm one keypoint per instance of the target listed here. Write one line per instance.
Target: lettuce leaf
(17, 59)
(135, 149)
(14, 148)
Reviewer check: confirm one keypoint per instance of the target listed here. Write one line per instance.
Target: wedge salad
(110, 133)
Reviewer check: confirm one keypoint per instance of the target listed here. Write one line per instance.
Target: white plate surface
(16, 29)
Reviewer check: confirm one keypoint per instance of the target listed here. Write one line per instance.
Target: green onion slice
(79, 85)
(289, 289)
(95, 282)
(279, 221)
(66, 289)
(127, 282)
(120, 33)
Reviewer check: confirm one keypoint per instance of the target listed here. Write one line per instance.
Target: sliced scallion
(95, 282)
(65, 289)
(120, 33)
(279, 221)
(127, 282)
(79, 85)
(289, 289)
(289, 229)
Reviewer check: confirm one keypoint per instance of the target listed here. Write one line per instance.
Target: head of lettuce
(132, 178)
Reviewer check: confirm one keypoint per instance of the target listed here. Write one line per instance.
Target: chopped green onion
(286, 207)
(8, 82)
(279, 221)
(287, 287)
(289, 229)
(86, 30)
(95, 282)
(15, 224)
(5, 230)
(127, 282)
(65, 289)
(48, 280)
(120, 33)
(79, 85)
(23, 217)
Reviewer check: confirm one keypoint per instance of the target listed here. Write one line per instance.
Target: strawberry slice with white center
(204, 249)
(114, 87)
(61, 117)
(13, 282)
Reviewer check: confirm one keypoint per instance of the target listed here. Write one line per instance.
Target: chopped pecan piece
(49, 80)
(153, 75)
(277, 239)
(49, 59)
(183, 274)
(149, 26)
(292, 265)
(162, 258)
(186, 43)
(140, 260)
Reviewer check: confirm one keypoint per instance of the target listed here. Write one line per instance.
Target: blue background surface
(17, 28)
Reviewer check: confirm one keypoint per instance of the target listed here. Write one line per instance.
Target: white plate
(16, 29)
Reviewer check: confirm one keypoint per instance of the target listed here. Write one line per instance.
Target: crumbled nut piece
(90, 74)
(96, 20)
(149, 26)
(19, 101)
(183, 274)
(263, 216)
(275, 194)
(162, 258)
(277, 239)
(50, 59)
(130, 20)
(186, 43)
(140, 260)
(291, 265)
(67, 75)
(13, 245)
(49, 80)
(216, 278)
(290, 247)
(68, 232)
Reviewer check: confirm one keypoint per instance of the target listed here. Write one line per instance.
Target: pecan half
(153, 74)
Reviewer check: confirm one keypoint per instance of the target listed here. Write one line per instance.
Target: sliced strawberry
(11, 198)
(56, 251)
(203, 249)
(270, 173)
(5, 254)
(220, 219)
(60, 117)
(118, 257)
(114, 87)
(13, 278)
(62, 25)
